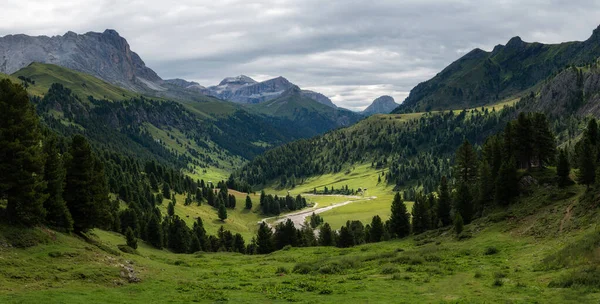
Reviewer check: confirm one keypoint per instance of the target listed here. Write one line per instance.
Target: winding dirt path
(299, 217)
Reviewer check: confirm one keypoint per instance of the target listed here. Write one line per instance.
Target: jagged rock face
(320, 98)
(229, 85)
(573, 91)
(105, 55)
(261, 91)
(382, 105)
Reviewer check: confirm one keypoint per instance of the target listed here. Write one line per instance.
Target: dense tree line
(275, 205)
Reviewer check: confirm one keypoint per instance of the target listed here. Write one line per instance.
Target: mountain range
(109, 57)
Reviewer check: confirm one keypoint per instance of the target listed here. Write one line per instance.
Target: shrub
(584, 277)
(389, 270)
(281, 270)
(333, 268)
(490, 250)
(498, 283)
(499, 275)
(126, 249)
(302, 268)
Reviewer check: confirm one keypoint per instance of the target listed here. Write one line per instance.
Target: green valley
(118, 186)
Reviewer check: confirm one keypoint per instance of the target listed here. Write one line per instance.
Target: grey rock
(382, 105)
(319, 98)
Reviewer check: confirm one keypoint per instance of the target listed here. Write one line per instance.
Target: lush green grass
(498, 263)
(81, 84)
(178, 142)
(377, 200)
(239, 220)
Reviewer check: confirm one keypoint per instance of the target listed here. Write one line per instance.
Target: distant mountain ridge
(481, 77)
(245, 90)
(381, 105)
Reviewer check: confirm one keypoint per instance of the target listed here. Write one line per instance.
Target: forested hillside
(415, 149)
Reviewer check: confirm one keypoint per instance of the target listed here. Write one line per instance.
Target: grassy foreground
(541, 250)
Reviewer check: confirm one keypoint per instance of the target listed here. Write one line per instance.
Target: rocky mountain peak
(104, 55)
(515, 42)
(381, 105)
(241, 79)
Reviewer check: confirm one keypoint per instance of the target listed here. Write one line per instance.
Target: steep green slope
(81, 84)
(481, 77)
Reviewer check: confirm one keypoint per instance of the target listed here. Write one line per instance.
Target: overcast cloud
(351, 51)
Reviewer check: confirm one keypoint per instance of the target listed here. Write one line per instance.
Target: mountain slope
(481, 77)
(381, 105)
(83, 85)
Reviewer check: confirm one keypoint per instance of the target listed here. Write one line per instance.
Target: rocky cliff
(105, 55)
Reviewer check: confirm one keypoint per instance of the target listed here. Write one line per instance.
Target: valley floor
(509, 256)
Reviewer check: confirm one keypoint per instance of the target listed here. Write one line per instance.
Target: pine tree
(399, 219)
(232, 201)
(587, 164)
(563, 168)
(543, 141)
(166, 191)
(131, 239)
(420, 217)
(376, 230)
(21, 156)
(210, 198)
(238, 243)
(463, 202)
(154, 232)
(485, 186)
(79, 191)
(507, 183)
(326, 235)
(264, 239)
(222, 212)
(248, 202)
(345, 240)
(179, 239)
(523, 138)
(199, 196)
(444, 203)
(458, 224)
(171, 209)
(57, 213)
(591, 132)
(200, 233)
(466, 163)
(195, 245)
(100, 196)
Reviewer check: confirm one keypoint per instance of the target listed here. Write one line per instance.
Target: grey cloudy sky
(352, 51)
